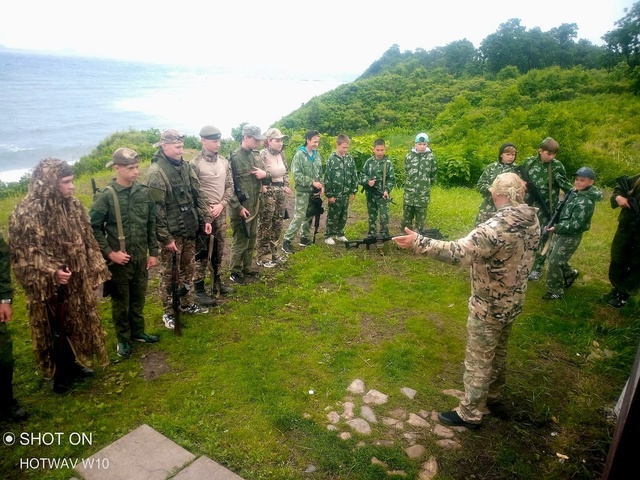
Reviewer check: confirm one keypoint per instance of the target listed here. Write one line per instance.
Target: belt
(277, 184)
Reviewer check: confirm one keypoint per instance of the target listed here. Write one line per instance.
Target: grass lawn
(236, 386)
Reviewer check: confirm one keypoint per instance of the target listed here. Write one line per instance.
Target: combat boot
(221, 287)
(202, 298)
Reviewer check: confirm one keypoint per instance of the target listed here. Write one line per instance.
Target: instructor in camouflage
(181, 209)
(500, 253)
(421, 169)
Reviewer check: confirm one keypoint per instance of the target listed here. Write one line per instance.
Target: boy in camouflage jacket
(539, 171)
(574, 219)
(341, 185)
(421, 168)
(378, 179)
(505, 163)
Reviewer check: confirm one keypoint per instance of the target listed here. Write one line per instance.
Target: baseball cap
(274, 133)
(210, 132)
(170, 135)
(124, 156)
(252, 131)
(585, 172)
(509, 185)
(422, 138)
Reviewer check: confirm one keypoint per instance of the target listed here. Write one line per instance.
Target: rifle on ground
(627, 190)
(367, 241)
(376, 192)
(533, 189)
(314, 209)
(545, 235)
(175, 294)
(242, 196)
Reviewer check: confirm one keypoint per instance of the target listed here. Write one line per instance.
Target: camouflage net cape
(47, 231)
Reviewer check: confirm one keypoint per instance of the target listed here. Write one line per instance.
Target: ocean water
(63, 106)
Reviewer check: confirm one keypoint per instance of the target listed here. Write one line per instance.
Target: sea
(64, 106)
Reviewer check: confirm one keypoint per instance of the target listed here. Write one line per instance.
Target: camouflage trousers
(300, 220)
(128, 289)
(6, 369)
(242, 248)
(377, 207)
(219, 233)
(270, 223)
(337, 216)
(488, 329)
(186, 265)
(411, 213)
(560, 251)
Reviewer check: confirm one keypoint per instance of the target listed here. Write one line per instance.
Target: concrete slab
(143, 454)
(204, 467)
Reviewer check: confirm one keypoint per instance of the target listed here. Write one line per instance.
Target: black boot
(221, 287)
(202, 298)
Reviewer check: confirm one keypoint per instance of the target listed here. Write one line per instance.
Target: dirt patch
(154, 364)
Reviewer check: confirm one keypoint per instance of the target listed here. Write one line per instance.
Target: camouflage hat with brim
(252, 131)
(170, 135)
(124, 156)
(509, 185)
(274, 133)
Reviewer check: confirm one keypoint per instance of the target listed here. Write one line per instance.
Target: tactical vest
(180, 201)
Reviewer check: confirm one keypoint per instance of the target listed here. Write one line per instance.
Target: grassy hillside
(237, 385)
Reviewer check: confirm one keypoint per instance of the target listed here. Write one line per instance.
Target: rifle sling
(116, 207)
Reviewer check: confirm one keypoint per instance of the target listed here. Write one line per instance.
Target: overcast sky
(331, 37)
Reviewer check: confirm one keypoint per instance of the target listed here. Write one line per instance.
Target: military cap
(274, 133)
(170, 135)
(210, 132)
(422, 138)
(124, 156)
(585, 172)
(510, 185)
(252, 131)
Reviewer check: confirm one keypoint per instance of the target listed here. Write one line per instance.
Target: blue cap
(422, 138)
(585, 172)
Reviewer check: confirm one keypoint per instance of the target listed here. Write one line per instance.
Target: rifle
(93, 186)
(531, 187)
(57, 323)
(376, 191)
(545, 235)
(627, 190)
(242, 196)
(175, 294)
(367, 241)
(314, 209)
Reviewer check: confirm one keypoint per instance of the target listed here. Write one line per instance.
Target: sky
(328, 39)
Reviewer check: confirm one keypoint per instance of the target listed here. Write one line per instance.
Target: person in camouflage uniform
(306, 169)
(505, 163)
(500, 253)
(56, 259)
(181, 208)
(378, 179)
(341, 186)
(624, 269)
(9, 408)
(250, 179)
(541, 172)
(216, 181)
(130, 265)
(574, 219)
(421, 169)
(270, 224)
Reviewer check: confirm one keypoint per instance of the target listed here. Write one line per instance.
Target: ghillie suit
(47, 232)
